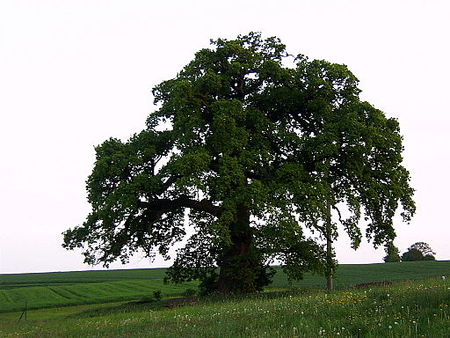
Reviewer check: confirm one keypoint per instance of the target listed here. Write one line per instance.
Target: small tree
(392, 253)
(419, 251)
(412, 255)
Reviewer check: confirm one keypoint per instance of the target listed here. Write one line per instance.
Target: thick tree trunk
(240, 265)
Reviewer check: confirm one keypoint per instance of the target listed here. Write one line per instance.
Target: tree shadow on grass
(150, 304)
(135, 306)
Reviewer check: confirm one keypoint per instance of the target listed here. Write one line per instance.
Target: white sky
(73, 73)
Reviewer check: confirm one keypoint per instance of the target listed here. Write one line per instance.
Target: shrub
(157, 295)
(189, 293)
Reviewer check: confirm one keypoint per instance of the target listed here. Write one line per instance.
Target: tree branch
(161, 206)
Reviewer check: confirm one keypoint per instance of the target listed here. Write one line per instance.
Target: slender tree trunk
(239, 264)
(329, 273)
(329, 237)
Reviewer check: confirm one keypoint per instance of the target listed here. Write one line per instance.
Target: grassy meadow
(416, 304)
(406, 309)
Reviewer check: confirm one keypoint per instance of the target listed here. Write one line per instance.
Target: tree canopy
(419, 251)
(251, 146)
(392, 253)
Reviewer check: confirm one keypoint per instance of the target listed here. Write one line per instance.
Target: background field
(46, 290)
(34, 291)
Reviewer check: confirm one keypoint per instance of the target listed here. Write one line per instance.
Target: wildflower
(390, 327)
(443, 277)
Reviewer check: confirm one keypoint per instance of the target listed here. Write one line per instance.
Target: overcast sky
(73, 73)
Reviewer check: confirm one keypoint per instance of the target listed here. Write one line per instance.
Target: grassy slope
(74, 288)
(406, 309)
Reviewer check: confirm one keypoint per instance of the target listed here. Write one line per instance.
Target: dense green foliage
(412, 255)
(409, 309)
(252, 145)
(392, 253)
(419, 251)
(45, 290)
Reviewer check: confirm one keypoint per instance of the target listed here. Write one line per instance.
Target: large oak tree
(252, 146)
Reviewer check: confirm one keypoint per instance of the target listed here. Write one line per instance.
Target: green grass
(351, 274)
(405, 309)
(75, 277)
(35, 297)
(45, 290)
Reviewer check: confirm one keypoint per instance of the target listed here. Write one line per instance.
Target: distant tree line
(419, 251)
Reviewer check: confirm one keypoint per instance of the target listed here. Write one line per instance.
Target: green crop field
(351, 274)
(34, 291)
(45, 290)
(75, 277)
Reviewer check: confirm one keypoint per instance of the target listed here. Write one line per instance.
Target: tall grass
(407, 309)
